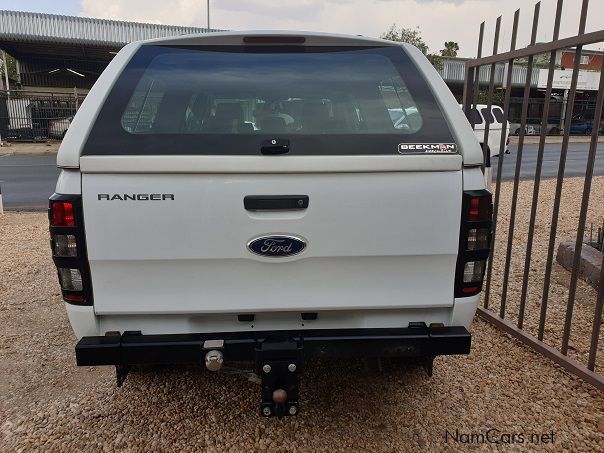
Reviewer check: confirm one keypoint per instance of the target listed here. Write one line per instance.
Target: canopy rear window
(228, 100)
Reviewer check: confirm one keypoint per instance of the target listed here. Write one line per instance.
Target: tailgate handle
(275, 202)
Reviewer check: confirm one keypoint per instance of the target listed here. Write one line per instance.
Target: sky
(438, 20)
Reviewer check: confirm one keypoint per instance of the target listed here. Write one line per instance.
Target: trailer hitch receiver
(278, 362)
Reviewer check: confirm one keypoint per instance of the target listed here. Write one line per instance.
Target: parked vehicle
(533, 127)
(24, 134)
(18, 122)
(480, 116)
(582, 123)
(279, 214)
(58, 128)
(529, 129)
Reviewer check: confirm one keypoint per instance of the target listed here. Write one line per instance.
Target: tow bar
(278, 356)
(278, 362)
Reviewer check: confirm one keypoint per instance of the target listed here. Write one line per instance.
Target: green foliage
(12, 68)
(450, 50)
(412, 36)
(498, 97)
(436, 60)
(409, 35)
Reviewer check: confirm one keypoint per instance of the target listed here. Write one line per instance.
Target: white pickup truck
(481, 116)
(256, 196)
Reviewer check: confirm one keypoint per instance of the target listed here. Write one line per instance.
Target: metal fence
(34, 116)
(518, 270)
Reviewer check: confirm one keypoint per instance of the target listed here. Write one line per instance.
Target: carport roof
(50, 34)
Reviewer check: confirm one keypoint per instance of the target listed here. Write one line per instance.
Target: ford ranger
(272, 197)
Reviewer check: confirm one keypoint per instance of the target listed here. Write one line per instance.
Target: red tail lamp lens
(62, 214)
(471, 290)
(73, 298)
(274, 39)
(480, 209)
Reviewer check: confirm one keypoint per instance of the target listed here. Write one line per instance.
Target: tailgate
(374, 240)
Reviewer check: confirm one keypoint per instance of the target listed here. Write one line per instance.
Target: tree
(12, 67)
(409, 35)
(412, 36)
(450, 50)
(497, 99)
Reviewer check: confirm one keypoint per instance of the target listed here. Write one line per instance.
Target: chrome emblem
(277, 246)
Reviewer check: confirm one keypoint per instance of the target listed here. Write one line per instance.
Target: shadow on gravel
(331, 388)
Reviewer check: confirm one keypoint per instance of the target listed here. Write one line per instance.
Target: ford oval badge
(277, 246)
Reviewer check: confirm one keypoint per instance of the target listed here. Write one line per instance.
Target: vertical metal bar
(536, 186)
(591, 158)
(477, 73)
(467, 92)
(506, 108)
(485, 141)
(470, 91)
(562, 164)
(595, 331)
(523, 117)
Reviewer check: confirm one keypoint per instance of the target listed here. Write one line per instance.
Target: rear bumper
(132, 348)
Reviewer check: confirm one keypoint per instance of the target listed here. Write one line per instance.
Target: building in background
(54, 53)
(58, 59)
(591, 60)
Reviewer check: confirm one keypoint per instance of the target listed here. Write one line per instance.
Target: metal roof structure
(69, 51)
(453, 71)
(72, 30)
(45, 42)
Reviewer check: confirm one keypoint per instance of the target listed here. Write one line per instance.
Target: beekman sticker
(427, 148)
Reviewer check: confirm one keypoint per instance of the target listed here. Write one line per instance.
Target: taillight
(474, 242)
(62, 214)
(65, 245)
(70, 279)
(68, 245)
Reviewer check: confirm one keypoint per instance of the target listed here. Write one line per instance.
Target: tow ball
(278, 362)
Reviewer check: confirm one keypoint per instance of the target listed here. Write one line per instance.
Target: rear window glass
(498, 114)
(230, 99)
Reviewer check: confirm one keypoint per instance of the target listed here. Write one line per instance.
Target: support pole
(7, 85)
(208, 5)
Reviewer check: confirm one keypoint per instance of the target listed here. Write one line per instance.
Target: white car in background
(481, 116)
(57, 128)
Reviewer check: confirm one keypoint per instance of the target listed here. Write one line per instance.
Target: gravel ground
(48, 404)
(583, 313)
